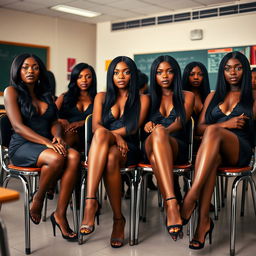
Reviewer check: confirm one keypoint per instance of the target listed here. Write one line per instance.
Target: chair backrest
(5, 130)
(88, 134)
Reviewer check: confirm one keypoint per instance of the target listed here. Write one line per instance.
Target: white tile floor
(153, 238)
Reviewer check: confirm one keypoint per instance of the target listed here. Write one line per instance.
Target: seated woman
(117, 115)
(171, 108)
(226, 123)
(195, 79)
(37, 137)
(77, 103)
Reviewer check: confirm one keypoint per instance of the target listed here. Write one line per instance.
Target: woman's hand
(121, 144)
(64, 123)
(236, 122)
(58, 146)
(149, 127)
(74, 126)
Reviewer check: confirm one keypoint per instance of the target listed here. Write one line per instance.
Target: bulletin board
(9, 50)
(209, 57)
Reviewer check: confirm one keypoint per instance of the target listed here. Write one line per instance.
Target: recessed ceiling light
(74, 10)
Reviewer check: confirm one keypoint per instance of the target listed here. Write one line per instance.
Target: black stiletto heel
(201, 245)
(86, 229)
(54, 224)
(177, 229)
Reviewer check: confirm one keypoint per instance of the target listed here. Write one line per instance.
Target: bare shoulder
(210, 96)
(144, 98)
(188, 96)
(10, 91)
(100, 97)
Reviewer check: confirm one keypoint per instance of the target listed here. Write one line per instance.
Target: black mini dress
(25, 153)
(245, 142)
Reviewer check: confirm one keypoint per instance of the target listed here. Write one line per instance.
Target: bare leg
(112, 178)
(102, 140)
(67, 184)
(217, 142)
(51, 164)
(162, 150)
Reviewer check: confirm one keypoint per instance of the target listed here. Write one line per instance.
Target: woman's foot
(36, 209)
(91, 210)
(62, 223)
(204, 228)
(117, 236)
(187, 209)
(173, 219)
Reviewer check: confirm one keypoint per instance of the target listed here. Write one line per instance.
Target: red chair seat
(24, 169)
(179, 166)
(234, 169)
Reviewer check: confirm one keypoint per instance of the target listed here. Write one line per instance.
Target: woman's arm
(59, 101)
(189, 101)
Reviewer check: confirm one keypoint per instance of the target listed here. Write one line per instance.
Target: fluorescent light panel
(74, 10)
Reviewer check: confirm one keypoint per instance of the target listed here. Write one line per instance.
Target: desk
(6, 195)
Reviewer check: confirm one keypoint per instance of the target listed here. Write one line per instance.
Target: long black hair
(72, 95)
(204, 88)
(156, 92)
(132, 105)
(222, 87)
(41, 88)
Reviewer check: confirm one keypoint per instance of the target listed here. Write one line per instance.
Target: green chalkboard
(209, 57)
(8, 51)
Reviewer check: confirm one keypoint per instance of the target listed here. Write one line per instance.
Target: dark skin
(196, 79)
(218, 144)
(108, 152)
(84, 82)
(161, 147)
(254, 80)
(56, 161)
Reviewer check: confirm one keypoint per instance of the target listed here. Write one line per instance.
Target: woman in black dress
(226, 123)
(37, 137)
(117, 115)
(166, 144)
(77, 103)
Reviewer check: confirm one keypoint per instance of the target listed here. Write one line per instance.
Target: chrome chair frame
(240, 174)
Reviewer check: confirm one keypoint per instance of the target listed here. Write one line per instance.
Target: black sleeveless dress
(134, 154)
(25, 153)
(181, 136)
(245, 143)
(75, 115)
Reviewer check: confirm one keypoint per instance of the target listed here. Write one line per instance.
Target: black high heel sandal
(119, 240)
(87, 228)
(201, 245)
(177, 229)
(185, 221)
(67, 237)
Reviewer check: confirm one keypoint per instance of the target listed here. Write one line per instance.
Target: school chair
(184, 170)
(240, 174)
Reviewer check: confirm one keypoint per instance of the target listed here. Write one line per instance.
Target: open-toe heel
(117, 242)
(176, 229)
(197, 245)
(71, 237)
(88, 229)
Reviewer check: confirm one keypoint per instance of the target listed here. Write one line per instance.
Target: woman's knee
(101, 135)
(212, 132)
(73, 155)
(159, 134)
(55, 161)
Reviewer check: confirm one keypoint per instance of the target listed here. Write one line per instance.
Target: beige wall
(236, 30)
(65, 38)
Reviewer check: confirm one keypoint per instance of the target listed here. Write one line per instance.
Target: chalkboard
(8, 51)
(209, 57)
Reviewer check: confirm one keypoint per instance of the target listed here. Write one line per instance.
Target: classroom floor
(153, 237)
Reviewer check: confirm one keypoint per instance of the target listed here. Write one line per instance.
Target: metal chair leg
(75, 221)
(243, 198)
(4, 248)
(45, 208)
(137, 215)
(253, 189)
(81, 213)
(215, 203)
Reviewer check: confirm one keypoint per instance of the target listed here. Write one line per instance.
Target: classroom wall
(235, 30)
(66, 39)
